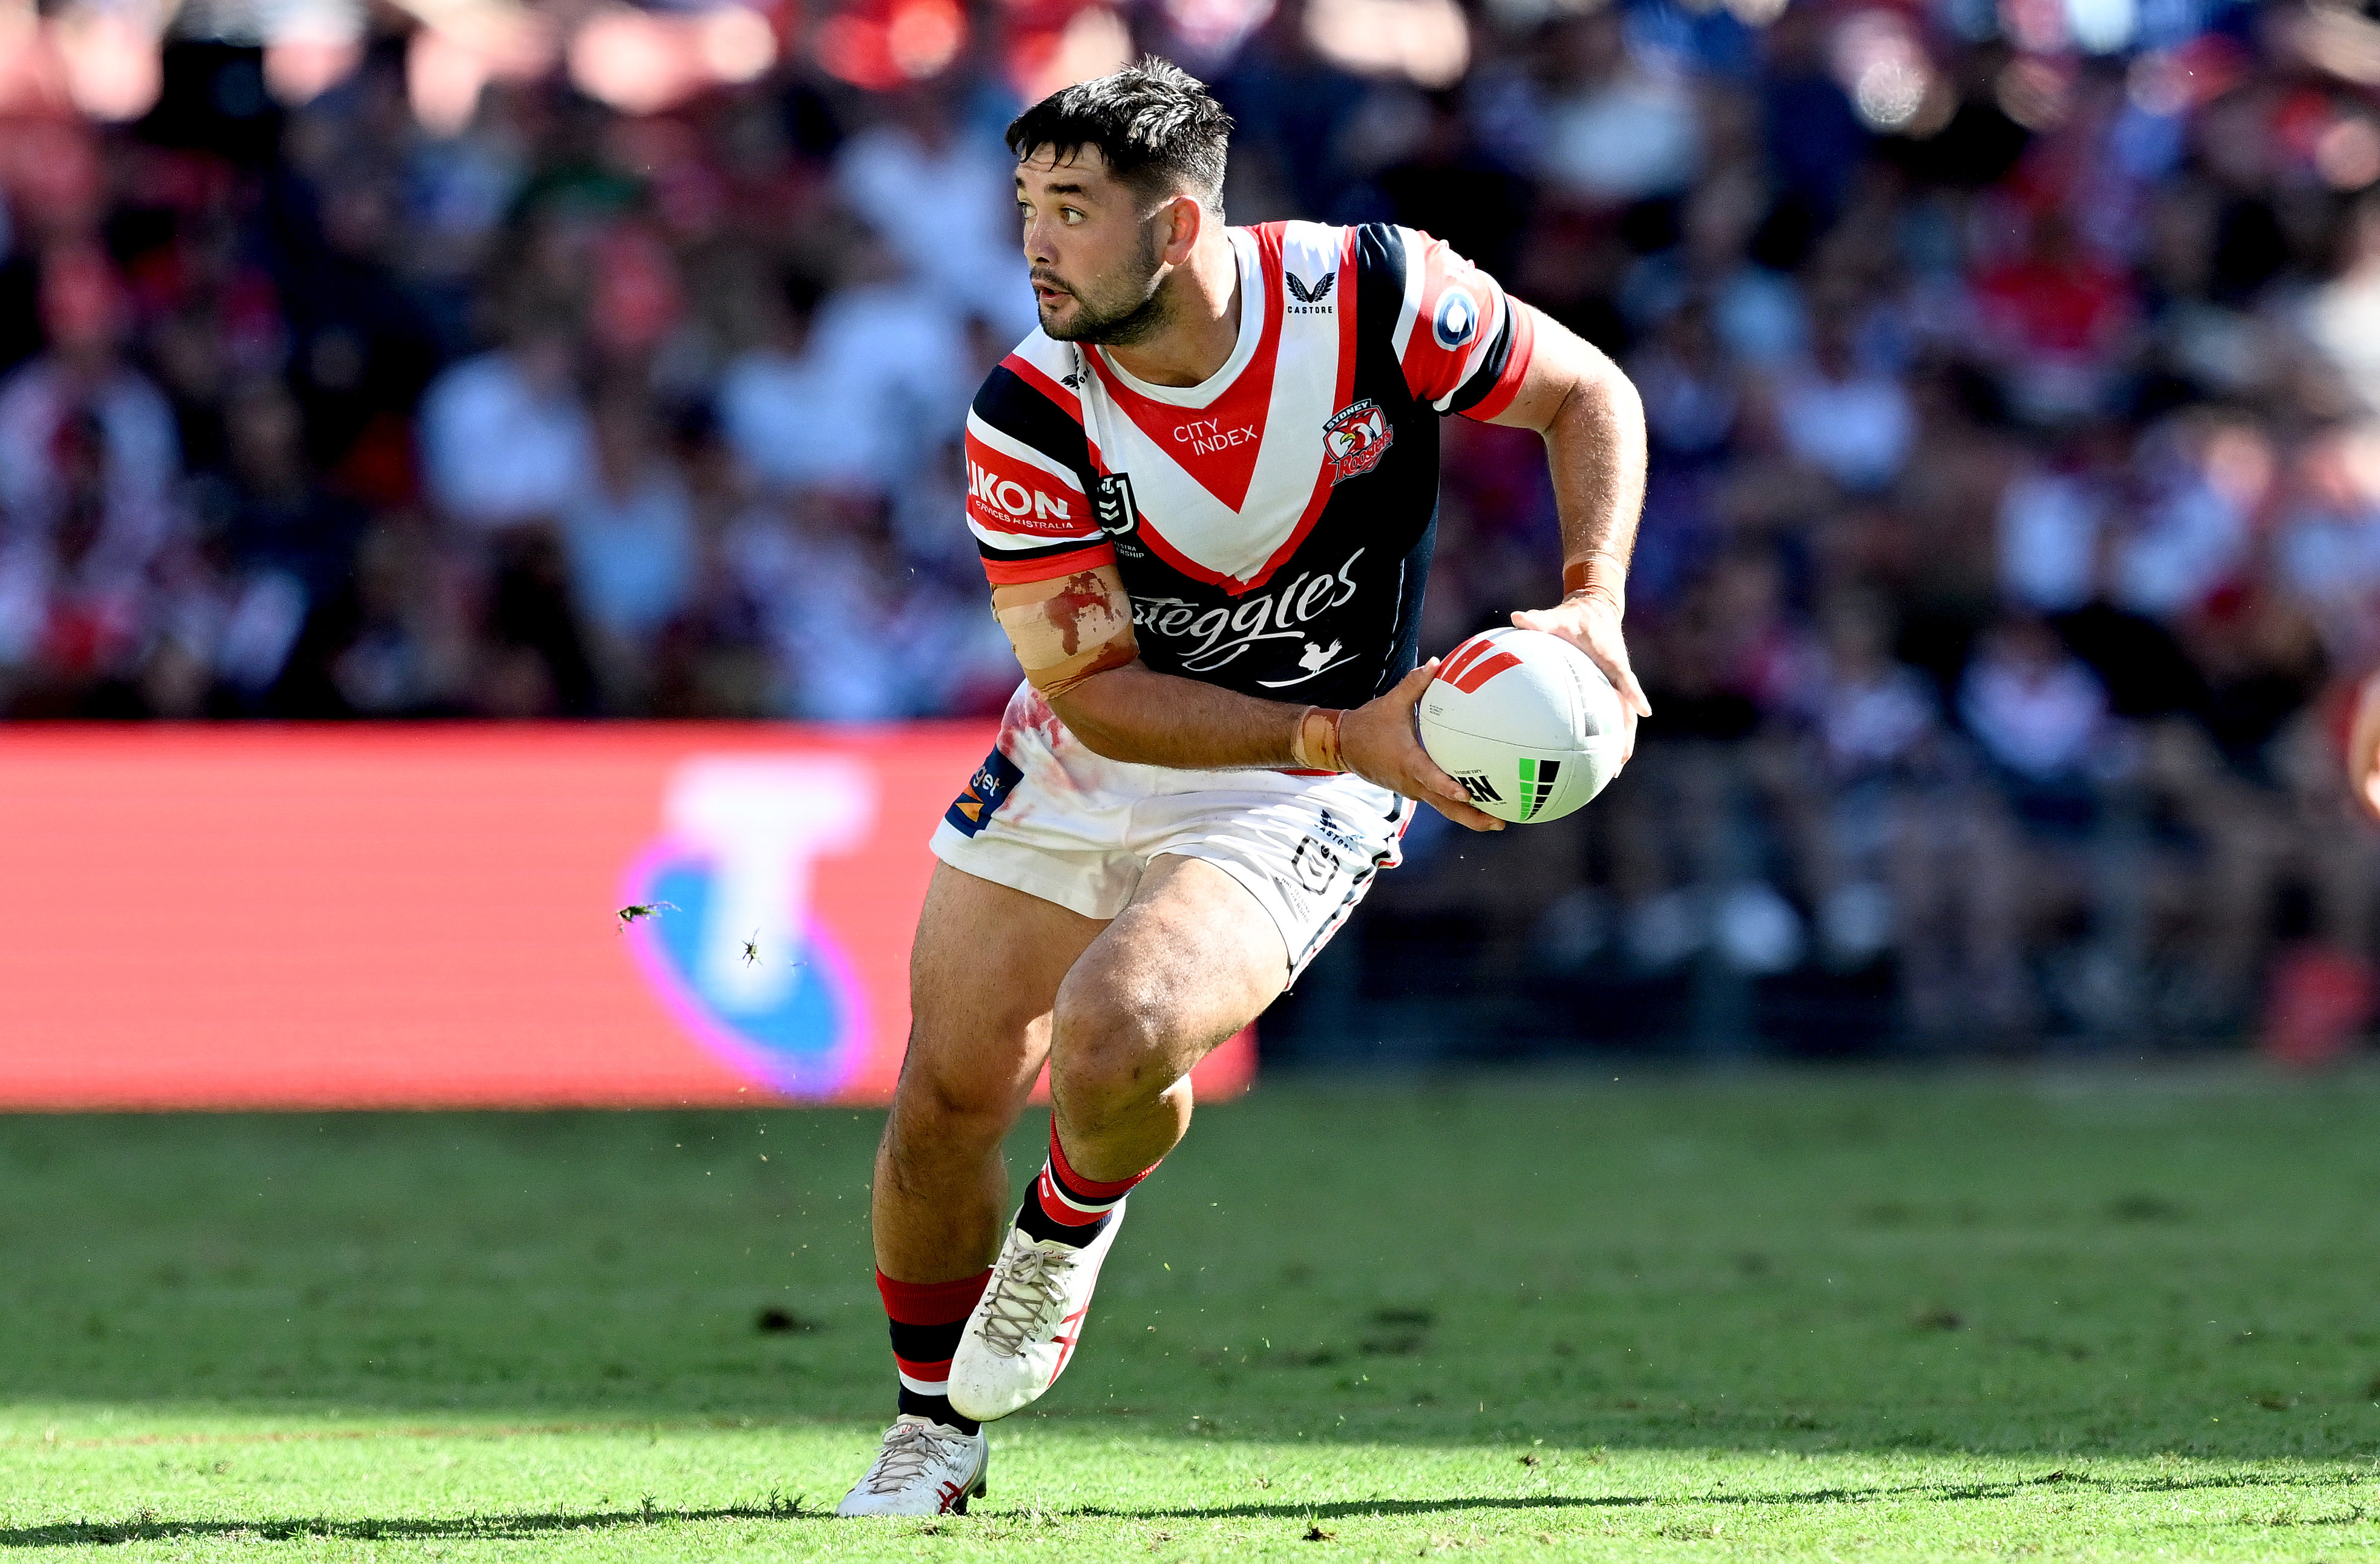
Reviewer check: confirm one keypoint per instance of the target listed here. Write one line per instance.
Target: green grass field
(2099, 1315)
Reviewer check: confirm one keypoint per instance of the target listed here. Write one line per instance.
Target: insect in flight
(636, 912)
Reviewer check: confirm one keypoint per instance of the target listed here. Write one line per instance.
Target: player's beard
(1132, 309)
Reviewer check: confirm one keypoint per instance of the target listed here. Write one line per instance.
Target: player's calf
(1021, 1335)
(1184, 967)
(1116, 1083)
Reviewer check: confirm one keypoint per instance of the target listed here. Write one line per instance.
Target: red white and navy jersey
(1272, 526)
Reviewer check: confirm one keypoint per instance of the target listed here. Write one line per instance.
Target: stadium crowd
(2012, 373)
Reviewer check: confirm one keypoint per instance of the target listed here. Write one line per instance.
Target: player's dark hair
(1154, 123)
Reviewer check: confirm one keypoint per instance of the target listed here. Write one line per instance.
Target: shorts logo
(1314, 865)
(1356, 437)
(1337, 836)
(993, 783)
(1482, 791)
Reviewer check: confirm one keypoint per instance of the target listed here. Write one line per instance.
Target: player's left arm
(2363, 746)
(1593, 422)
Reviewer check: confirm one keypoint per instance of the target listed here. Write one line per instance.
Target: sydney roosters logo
(1356, 438)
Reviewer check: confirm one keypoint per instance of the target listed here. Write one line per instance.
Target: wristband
(1579, 575)
(1315, 745)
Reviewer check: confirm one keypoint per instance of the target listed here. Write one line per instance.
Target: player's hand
(2362, 748)
(1379, 742)
(1590, 620)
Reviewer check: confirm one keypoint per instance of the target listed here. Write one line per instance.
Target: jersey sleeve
(1025, 458)
(1463, 342)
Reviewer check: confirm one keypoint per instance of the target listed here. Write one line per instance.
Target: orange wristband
(1315, 746)
(1582, 575)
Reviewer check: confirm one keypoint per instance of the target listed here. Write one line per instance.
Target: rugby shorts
(1046, 816)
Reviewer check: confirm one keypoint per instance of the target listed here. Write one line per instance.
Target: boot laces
(909, 1449)
(1025, 1296)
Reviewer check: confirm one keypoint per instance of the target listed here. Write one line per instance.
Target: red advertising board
(423, 917)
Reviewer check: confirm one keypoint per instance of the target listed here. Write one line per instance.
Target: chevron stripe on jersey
(1273, 525)
(1230, 476)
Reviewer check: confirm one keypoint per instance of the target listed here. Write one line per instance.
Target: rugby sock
(1066, 1207)
(927, 1318)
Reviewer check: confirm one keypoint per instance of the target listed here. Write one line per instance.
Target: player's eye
(1071, 214)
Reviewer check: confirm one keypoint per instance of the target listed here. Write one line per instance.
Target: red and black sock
(1064, 1205)
(927, 1318)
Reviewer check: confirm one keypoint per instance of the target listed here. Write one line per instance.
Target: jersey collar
(1253, 305)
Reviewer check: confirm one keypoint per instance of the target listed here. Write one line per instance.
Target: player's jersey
(1272, 526)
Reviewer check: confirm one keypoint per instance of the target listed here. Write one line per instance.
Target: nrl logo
(1356, 437)
(1112, 501)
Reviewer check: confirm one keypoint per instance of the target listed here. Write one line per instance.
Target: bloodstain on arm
(1068, 628)
(1082, 597)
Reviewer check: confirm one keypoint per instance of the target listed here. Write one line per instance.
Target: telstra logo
(739, 837)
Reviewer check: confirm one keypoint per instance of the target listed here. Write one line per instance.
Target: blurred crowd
(2012, 373)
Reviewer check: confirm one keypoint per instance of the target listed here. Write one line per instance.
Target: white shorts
(1045, 815)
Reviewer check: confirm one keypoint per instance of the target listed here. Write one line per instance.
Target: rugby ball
(1525, 722)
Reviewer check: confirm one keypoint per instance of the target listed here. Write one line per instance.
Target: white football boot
(1024, 1327)
(925, 1468)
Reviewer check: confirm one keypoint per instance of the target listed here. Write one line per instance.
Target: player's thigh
(1191, 960)
(983, 975)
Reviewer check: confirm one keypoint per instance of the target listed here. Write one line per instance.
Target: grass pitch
(2083, 1317)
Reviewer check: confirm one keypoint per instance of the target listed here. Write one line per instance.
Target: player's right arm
(1132, 712)
(1057, 594)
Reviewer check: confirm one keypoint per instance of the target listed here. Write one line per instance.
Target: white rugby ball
(1525, 722)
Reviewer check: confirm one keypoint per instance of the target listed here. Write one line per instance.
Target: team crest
(1356, 438)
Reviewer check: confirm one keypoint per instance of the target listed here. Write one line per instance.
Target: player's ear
(1179, 222)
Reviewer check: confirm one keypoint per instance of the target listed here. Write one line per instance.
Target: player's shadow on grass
(499, 1527)
(1937, 1492)
(461, 1528)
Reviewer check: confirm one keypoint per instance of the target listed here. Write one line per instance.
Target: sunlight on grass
(674, 1492)
(1802, 1317)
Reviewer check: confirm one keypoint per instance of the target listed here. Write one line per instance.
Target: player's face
(1095, 256)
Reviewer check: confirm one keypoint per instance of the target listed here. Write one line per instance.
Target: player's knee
(939, 1114)
(1108, 1048)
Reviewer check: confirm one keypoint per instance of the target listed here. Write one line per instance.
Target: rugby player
(1204, 493)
